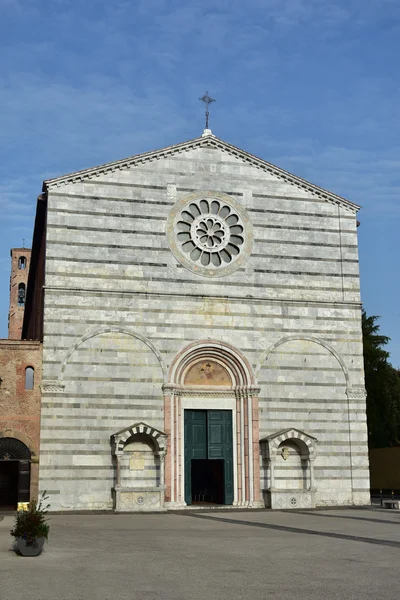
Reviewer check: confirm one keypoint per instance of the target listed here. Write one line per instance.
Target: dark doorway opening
(15, 473)
(208, 456)
(207, 481)
(9, 473)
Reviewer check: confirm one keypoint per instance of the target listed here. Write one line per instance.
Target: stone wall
(119, 306)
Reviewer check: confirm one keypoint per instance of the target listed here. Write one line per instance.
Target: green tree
(382, 382)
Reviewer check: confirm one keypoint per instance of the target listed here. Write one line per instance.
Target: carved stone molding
(202, 393)
(356, 393)
(53, 386)
(238, 391)
(251, 391)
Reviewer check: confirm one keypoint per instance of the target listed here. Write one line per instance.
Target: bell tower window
(22, 262)
(21, 294)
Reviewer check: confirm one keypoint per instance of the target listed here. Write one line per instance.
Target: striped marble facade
(119, 308)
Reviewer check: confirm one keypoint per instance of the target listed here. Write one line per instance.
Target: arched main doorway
(15, 473)
(211, 418)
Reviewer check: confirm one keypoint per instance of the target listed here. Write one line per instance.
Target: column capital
(169, 387)
(247, 390)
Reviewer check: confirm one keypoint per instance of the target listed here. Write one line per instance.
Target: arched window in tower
(29, 378)
(22, 262)
(21, 294)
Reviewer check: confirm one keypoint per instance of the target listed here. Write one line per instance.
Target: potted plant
(31, 528)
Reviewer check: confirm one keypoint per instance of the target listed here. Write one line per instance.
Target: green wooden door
(220, 446)
(195, 444)
(208, 434)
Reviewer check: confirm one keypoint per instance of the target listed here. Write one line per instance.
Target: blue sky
(310, 85)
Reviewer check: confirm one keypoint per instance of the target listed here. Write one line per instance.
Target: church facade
(201, 321)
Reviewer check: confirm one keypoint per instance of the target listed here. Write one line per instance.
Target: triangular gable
(206, 140)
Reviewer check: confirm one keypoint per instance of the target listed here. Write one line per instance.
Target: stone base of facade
(362, 498)
(283, 499)
(292, 499)
(331, 499)
(148, 499)
(235, 506)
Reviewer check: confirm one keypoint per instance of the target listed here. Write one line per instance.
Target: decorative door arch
(212, 375)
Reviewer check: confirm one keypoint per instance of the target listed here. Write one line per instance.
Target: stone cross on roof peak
(206, 98)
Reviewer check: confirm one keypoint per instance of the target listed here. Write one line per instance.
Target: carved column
(240, 446)
(117, 453)
(161, 456)
(254, 447)
(179, 460)
(169, 430)
(358, 440)
(247, 449)
(118, 475)
(272, 473)
(311, 467)
(250, 449)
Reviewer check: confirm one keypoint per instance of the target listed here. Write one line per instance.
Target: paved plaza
(210, 555)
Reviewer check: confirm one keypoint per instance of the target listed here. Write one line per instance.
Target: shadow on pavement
(329, 534)
(317, 514)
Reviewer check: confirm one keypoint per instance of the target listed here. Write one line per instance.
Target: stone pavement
(210, 555)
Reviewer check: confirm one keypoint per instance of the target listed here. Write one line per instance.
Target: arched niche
(139, 452)
(289, 456)
(290, 466)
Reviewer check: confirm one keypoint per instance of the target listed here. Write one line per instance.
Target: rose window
(210, 233)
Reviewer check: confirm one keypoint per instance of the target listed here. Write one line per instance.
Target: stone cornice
(22, 344)
(202, 142)
(150, 294)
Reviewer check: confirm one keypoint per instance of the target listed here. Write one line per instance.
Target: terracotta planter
(33, 549)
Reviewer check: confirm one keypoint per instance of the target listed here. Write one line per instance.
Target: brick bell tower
(20, 262)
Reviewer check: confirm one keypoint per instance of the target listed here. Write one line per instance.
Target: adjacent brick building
(21, 373)
(20, 378)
